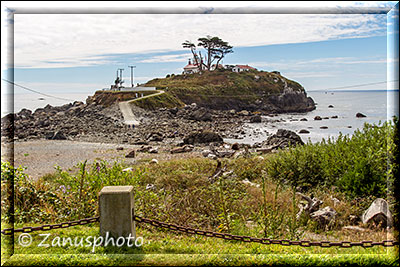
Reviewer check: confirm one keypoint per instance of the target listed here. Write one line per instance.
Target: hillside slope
(224, 89)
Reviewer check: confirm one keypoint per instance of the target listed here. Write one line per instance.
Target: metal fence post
(116, 207)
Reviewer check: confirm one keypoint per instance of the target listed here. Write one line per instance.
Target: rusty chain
(226, 236)
(266, 241)
(47, 227)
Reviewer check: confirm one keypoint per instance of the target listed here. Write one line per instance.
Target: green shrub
(357, 165)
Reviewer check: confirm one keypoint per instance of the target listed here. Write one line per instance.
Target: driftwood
(227, 153)
(311, 206)
(217, 173)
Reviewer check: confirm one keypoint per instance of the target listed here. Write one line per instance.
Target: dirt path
(129, 117)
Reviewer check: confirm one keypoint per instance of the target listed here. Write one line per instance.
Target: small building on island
(191, 68)
(239, 68)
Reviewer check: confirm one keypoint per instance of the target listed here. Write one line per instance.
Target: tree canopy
(215, 48)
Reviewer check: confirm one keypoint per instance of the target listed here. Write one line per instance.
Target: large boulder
(200, 114)
(204, 137)
(282, 139)
(255, 119)
(378, 213)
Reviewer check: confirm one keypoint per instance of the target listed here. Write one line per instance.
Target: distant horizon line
(364, 90)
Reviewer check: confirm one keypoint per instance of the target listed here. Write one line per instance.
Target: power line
(29, 89)
(359, 85)
(231, 96)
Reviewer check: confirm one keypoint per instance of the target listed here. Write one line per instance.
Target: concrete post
(116, 204)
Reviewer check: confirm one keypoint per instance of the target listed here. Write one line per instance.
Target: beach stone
(323, 127)
(317, 118)
(378, 213)
(201, 114)
(360, 115)
(173, 111)
(330, 106)
(244, 113)
(144, 149)
(212, 156)
(153, 150)
(183, 149)
(203, 137)
(235, 146)
(282, 139)
(154, 161)
(131, 154)
(255, 119)
(304, 131)
(303, 119)
(324, 216)
(155, 136)
(206, 152)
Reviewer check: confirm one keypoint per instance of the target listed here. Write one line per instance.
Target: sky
(67, 51)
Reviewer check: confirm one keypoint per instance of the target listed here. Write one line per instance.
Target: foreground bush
(360, 166)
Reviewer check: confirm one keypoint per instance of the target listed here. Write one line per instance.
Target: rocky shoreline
(95, 123)
(174, 130)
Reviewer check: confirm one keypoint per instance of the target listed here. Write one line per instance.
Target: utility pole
(132, 67)
(120, 73)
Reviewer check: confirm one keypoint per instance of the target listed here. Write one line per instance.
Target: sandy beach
(41, 156)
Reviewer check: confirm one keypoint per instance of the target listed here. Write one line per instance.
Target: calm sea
(33, 101)
(376, 105)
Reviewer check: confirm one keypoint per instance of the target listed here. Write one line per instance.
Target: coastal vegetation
(223, 89)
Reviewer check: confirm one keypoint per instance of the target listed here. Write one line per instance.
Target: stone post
(116, 205)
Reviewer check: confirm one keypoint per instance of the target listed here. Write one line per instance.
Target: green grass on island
(355, 170)
(217, 89)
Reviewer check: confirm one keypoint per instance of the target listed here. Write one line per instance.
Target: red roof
(245, 67)
(191, 66)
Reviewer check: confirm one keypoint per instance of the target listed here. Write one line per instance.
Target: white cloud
(167, 58)
(64, 40)
(313, 63)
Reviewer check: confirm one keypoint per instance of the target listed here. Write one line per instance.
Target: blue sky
(61, 53)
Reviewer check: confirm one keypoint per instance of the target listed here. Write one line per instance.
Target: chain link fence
(193, 231)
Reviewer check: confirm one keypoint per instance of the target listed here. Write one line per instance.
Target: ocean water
(378, 106)
(33, 101)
